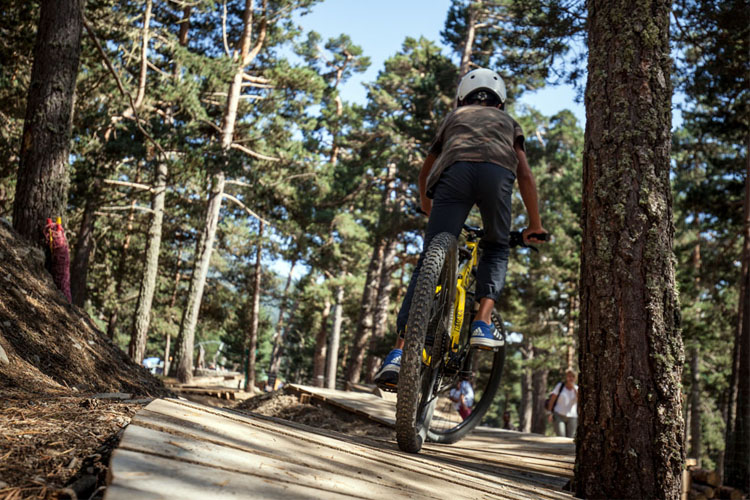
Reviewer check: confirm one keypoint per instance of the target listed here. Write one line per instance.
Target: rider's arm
(527, 186)
(425, 202)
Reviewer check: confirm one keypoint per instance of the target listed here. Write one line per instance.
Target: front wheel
(429, 317)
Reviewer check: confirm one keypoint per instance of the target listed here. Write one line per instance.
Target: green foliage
(709, 152)
(333, 178)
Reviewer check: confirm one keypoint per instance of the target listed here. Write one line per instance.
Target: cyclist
(474, 159)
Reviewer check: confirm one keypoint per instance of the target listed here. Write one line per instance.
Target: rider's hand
(533, 230)
(426, 205)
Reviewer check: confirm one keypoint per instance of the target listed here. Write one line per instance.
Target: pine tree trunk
(252, 336)
(539, 394)
(527, 399)
(122, 265)
(630, 348)
(42, 181)
(142, 319)
(570, 333)
(167, 345)
(278, 337)
(79, 268)
(695, 405)
(737, 454)
(380, 314)
(365, 321)
(186, 337)
(333, 350)
(321, 341)
(204, 247)
(468, 45)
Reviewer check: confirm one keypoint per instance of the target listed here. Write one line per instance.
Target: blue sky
(380, 28)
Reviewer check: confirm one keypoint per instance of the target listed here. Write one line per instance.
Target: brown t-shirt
(476, 134)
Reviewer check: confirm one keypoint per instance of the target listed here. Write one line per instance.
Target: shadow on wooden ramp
(178, 450)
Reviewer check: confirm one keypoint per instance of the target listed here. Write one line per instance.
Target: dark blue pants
(461, 186)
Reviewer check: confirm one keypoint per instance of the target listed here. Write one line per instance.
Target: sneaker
(485, 336)
(387, 376)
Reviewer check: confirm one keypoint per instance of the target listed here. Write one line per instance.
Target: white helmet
(481, 78)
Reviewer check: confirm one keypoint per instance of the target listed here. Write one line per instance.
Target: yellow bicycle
(438, 365)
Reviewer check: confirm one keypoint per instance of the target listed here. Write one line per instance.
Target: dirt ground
(281, 405)
(48, 346)
(56, 432)
(55, 435)
(58, 447)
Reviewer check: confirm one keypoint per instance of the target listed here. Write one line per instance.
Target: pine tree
(42, 182)
(631, 424)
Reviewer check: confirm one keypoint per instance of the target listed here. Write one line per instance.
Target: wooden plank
(483, 479)
(291, 447)
(139, 476)
(364, 404)
(184, 449)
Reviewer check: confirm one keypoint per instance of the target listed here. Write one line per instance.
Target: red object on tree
(59, 261)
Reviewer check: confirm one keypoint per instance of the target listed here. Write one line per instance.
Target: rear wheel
(429, 317)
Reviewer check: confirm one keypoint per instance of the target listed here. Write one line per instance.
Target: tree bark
(630, 348)
(142, 318)
(204, 247)
(321, 341)
(186, 339)
(570, 333)
(122, 264)
(539, 395)
(42, 181)
(365, 320)
(468, 46)
(167, 345)
(526, 412)
(278, 337)
(252, 335)
(380, 313)
(79, 268)
(695, 405)
(737, 455)
(333, 351)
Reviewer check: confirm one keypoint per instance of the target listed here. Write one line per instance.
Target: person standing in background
(564, 406)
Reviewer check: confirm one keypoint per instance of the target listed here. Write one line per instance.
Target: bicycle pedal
(388, 387)
(486, 348)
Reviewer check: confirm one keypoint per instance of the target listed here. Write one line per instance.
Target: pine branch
(254, 154)
(129, 207)
(224, 29)
(120, 86)
(135, 185)
(246, 209)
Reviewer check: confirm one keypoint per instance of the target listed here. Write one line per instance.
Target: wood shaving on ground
(52, 447)
(280, 405)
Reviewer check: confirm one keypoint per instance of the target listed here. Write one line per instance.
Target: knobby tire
(438, 268)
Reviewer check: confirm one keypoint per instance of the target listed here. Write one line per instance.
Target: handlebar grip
(539, 236)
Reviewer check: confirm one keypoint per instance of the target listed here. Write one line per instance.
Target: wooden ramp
(178, 450)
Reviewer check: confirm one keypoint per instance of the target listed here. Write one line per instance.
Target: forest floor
(59, 447)
(288, 407)
(67, 390)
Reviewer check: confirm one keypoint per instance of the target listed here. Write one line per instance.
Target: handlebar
(516, 239)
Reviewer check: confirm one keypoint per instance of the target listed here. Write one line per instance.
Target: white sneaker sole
(482, 342)
(388, 368)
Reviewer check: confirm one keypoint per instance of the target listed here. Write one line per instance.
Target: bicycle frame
(459, 302)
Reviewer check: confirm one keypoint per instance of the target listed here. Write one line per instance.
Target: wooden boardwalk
(179, 450)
